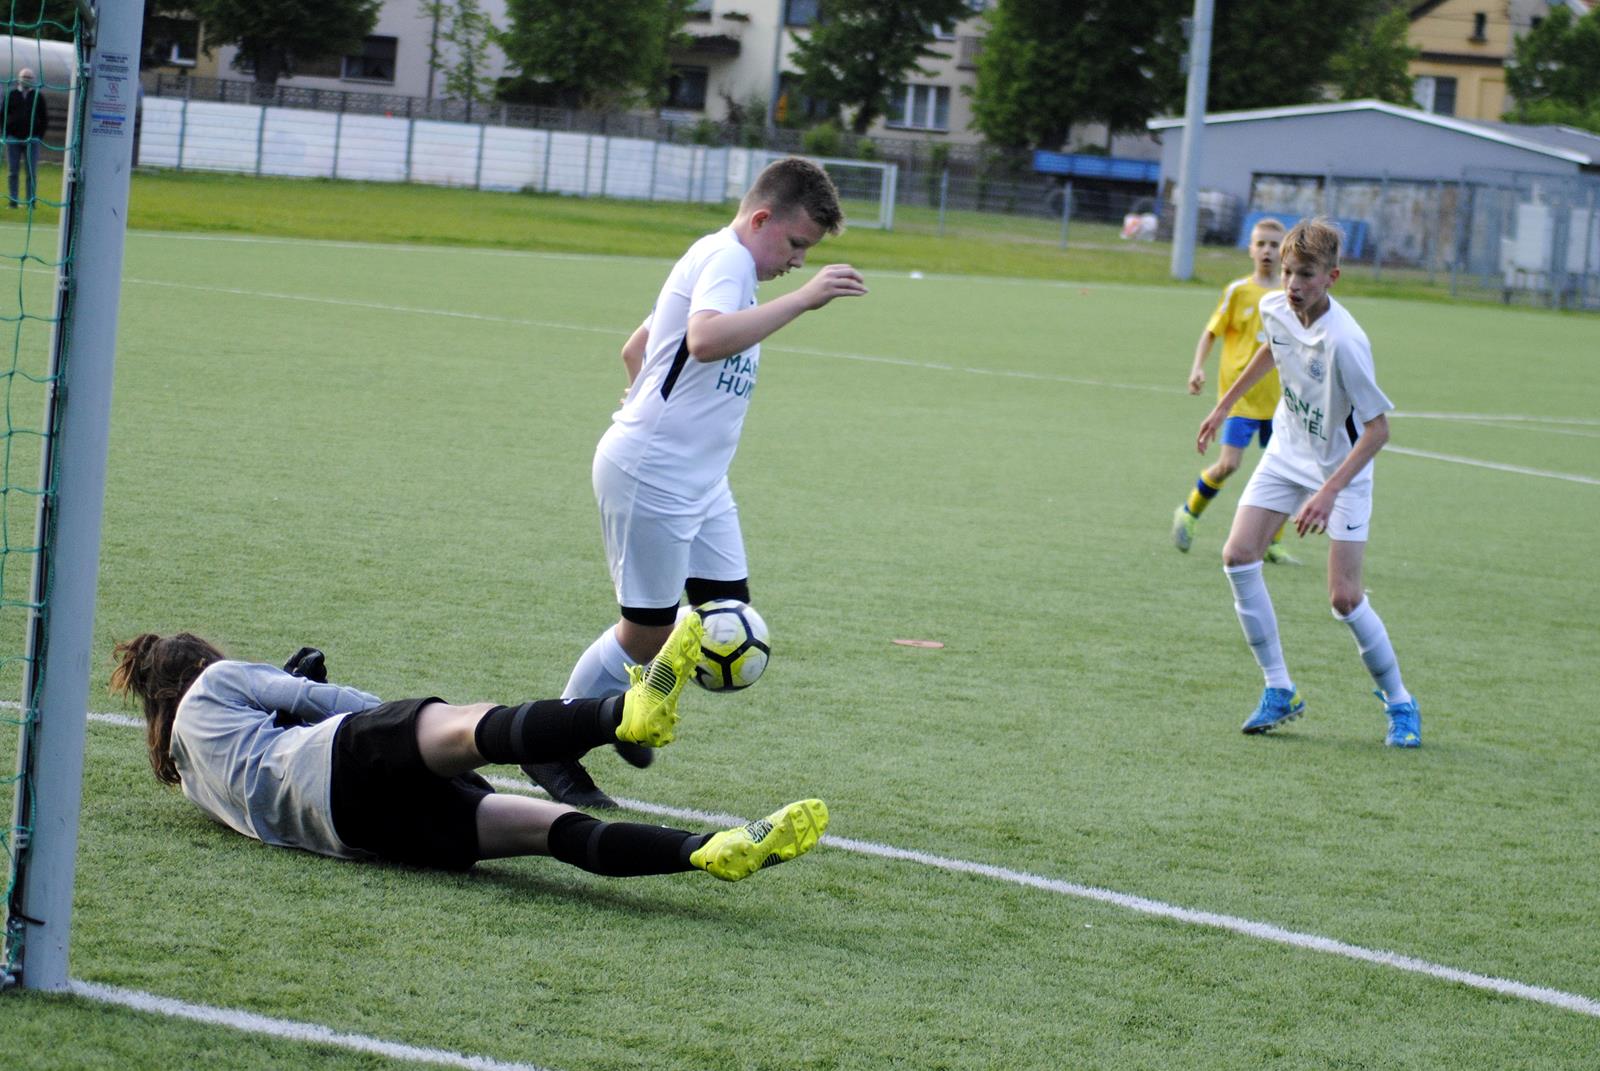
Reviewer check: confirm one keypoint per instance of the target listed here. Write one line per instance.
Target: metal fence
(1516, 237)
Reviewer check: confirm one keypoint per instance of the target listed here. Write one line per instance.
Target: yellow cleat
(1183, 523)
(1278, 554)
(735, 854)
(650, 708)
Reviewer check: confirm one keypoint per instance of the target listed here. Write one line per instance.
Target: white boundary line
(287, 1029)
(1261, 931)
(1497, 466)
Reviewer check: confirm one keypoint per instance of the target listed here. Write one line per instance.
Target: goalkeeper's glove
(310, 664)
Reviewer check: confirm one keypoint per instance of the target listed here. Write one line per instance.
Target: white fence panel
(445, 154)
(160, 127)
(296, 143)
(372, 148)
(288, 141)
(568, 171)
(513, 158)
(629, 162)
(220, 137)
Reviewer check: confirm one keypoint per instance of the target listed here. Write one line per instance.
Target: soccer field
(1051, 847)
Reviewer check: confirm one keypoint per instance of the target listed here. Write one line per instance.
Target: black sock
(622, 849)
(547, 729)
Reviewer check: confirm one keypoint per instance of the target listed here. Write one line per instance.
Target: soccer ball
(736, 647)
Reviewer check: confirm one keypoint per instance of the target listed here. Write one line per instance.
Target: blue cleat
(1405, 723)
(1278, 705)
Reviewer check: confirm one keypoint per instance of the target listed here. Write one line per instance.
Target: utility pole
(1194, 123)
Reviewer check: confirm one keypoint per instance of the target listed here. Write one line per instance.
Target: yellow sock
(1204, 491)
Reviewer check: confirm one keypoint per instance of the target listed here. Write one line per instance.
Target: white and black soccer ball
(736, 647)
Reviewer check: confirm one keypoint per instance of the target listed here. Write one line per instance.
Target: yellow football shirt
(1237, 322)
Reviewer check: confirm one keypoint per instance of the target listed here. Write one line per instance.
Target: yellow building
(1466, 45)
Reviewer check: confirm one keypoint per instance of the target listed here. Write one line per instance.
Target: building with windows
(739, 57)
(1466, 45)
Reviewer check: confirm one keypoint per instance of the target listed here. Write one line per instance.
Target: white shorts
(1272, 487)
(656, 540)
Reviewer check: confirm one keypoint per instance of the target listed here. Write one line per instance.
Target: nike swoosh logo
(1351, 527)
(1280, 342)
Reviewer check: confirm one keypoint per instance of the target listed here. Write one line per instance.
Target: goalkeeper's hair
(158, 670)
(792, 183)
(1313, 241)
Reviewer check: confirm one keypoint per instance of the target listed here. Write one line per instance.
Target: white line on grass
(287, 1029)
(1497, 466)
(1261, 931)
(933, 366)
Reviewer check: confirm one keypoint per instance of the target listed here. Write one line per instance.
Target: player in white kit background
(1329, 425)
(668, 517)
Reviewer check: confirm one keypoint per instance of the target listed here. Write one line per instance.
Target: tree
(273, 36)
(1272, 53)
(1376, 61)
(1554, 76)
(859, 52)
(463, 25)
(1047, 65)
(591, 55)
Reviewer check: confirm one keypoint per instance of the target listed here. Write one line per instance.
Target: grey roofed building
(1369, 139)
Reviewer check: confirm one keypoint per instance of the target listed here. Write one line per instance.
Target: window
(920, 108)
(1444, 96)
(699, 11)
(1435, 94)
(171, 41)
(320, 67)
(374, 63)
(801, 12)
(1480, 24)
(795, 108)
(686, 88)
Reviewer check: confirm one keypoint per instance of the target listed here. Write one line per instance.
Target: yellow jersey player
(1238, 322)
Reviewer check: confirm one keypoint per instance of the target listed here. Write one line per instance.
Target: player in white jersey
(668, 517)
(1329, 425)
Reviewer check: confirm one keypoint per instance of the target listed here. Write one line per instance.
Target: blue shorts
(1238, 431)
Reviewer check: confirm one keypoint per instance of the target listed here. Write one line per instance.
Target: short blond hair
(1313, 241)
(1268, 223)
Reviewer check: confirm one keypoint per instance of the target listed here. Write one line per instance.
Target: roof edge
(1411, 114)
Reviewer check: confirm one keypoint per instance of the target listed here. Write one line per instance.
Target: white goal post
(99, 148)
(867, 188)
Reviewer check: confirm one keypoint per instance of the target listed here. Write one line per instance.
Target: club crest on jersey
(1316, 369)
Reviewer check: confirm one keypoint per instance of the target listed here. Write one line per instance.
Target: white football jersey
(1329, 389)
(679, 425)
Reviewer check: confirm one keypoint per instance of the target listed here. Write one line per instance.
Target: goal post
(97, 154)
(867, 188)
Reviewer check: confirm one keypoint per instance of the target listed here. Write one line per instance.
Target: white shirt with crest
(680, 422)
(1330, 390)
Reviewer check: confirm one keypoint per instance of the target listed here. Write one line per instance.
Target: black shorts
(385, 801)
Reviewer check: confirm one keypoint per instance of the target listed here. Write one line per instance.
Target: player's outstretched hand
(835, 280)
(1208, 430)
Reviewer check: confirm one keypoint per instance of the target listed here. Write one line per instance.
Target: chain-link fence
(1516, 237)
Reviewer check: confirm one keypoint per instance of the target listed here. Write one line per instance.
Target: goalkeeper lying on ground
(289, 759)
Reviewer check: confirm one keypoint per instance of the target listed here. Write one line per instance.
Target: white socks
(1372, 640)
(602, 670)
(1254, 607)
